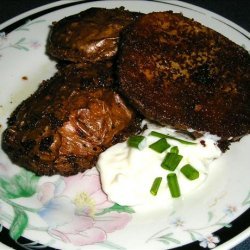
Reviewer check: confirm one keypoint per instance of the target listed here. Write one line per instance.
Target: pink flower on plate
(231, 210)
(178, 222)
(35, 44)
(84, 189)
(80, 231)
(78, 211)
(84, 230)
(209, 241)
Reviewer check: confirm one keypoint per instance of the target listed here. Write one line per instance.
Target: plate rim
(63, 2)
(244, 234)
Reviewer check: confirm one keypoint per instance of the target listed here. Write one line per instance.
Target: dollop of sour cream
(127, 173)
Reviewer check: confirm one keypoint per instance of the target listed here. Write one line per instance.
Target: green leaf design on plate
(246, 200)
(111, 245)
(193, 237)
(210, 216)
(19, 223)
(167, 238)
(118, 208)
(20, 47)
(29, 23)
(23, 184)
(19, 44)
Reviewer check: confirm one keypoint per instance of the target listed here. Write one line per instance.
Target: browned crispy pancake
(64, 126)
(92, 35)
(177, 72)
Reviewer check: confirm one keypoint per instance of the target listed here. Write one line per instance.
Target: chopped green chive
(136, 141)
(155, 186)
(190, 172)
(157, 134)
(173, 185)
(174, 150)
(171, 161)
(160, 135)
(160, 146)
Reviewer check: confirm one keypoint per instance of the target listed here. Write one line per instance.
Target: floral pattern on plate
(74, 209)
(22, 43)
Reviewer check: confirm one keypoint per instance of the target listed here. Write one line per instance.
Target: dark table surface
(237, 11)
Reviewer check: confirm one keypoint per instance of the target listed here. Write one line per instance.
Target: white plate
(45, 207)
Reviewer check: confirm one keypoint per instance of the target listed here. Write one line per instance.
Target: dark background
(237, 11)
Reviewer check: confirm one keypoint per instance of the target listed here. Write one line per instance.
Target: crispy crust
(177, 72)
(92, 35)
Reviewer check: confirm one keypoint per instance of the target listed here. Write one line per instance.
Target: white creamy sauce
(127, 173)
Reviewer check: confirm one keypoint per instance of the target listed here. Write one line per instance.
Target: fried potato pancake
(72, 117)
(178, 72)
(92, 35)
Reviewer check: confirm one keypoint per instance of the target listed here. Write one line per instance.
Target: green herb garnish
(160, 145)
(171, 161)
(136, 141)
(190, 172)
(174, 150)
(160, 135)
(155, 186)
(173, 185)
